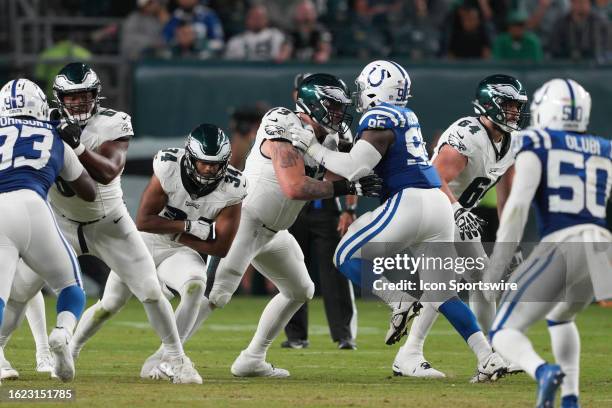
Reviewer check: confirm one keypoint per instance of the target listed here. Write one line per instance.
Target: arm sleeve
(353, 165)
(528, 171)
(73, 168)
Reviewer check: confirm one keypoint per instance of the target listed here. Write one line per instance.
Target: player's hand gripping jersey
(265, 198)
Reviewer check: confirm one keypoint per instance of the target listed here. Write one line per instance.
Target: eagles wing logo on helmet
(507, 91)
(332, 92)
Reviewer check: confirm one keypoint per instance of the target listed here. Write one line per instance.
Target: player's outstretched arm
(528, 171)
(449, 163)
(152, 202)
(107, 162)
(356, 163)
(226, 226)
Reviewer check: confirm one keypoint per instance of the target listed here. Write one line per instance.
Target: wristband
(350, 211)
(79, 149)
(341, 188)
(187, 226)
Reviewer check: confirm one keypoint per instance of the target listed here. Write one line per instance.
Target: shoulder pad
(165, 165)
(383, 117)
(466, 135)
(235, 184)
(276, 123)
(530, 139)
(118, 124)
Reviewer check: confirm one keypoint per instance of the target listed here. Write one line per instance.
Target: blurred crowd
(317, 30)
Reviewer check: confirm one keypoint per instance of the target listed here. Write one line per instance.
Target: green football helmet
(206, 143)
(76, 79)
(325, 98)
(492, 96)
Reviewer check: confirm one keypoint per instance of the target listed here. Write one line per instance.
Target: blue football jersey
(576, 177)
(31, 155)
(406, 163)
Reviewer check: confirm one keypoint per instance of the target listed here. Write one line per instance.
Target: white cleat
(180, 370)
(63, 363)
(44, 364)
(151, 364)
(247, 366)
(7, 372)
(491, 369)
(418, 367)
(400, 317)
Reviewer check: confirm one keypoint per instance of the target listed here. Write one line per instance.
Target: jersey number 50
(586, 191)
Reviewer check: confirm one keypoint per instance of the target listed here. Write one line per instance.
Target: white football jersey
(265, 199)
(181, 205)
(487, 161)
(104, 125)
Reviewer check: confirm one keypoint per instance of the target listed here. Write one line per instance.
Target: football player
(471, 156)
(32, 156)
(191, 204)
(103, 228)
(567, 173)
(281, 180)
(414, 211)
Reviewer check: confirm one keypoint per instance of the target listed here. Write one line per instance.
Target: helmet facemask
(81, 106)
(202, 184)
(509, 119)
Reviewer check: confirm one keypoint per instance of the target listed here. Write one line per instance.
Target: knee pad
(303, 293)
(149, 290)
(71, 299)
(193, 287)
(219, 298)
(225, 284)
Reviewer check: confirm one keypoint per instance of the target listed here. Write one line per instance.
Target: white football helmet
(22, 97)
(381, 81)
(561, 104)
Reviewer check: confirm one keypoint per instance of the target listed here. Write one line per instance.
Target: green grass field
(109, 366)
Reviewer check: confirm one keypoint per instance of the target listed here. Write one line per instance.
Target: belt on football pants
(269, 229)
(80, 234)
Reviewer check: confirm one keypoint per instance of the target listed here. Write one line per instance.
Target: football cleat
(247, 366)
(151, 363)
(419, 368)
(400, 317)
(491, 369)
(44, 364)
(7, 372)
(180, 370)
(295, 344)
(570, 401)
(63, 363)
(549, 378)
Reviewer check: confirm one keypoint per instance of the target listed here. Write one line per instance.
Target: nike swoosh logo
(273, 120)
(118, 219)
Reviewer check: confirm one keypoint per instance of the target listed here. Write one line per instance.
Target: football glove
(367, 186)
(302, 138)
(70, 133)
(517, 259)
(199, 229)
(469, 224)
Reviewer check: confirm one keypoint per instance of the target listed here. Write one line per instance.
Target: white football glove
(199, 229)
(469, 224)
(303, 139)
